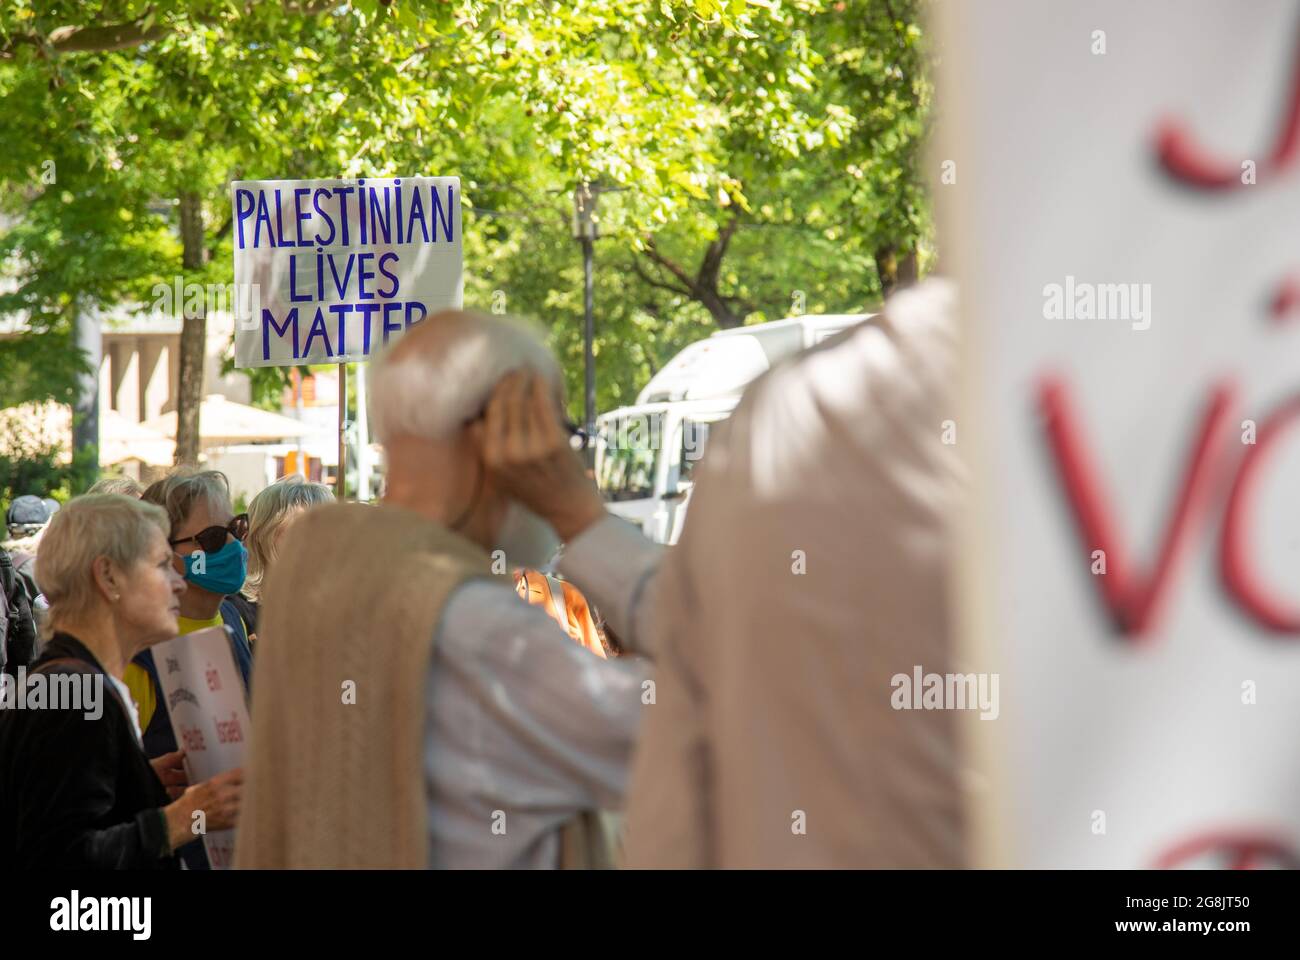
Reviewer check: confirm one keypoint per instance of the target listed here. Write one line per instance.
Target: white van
(646, 453)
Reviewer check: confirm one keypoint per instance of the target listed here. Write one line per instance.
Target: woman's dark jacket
(78, 792)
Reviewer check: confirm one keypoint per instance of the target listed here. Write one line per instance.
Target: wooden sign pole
(340, 480)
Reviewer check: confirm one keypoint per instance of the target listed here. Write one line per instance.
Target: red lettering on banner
(1286, 299)
(1132, 598)
(1239, 576)
(1233, 850)
(1193, 166)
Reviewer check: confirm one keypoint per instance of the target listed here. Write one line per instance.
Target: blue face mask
(223, 571)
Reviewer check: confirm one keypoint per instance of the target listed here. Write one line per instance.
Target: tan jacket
(811, 570)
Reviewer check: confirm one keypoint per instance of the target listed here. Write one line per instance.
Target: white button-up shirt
(525, 728)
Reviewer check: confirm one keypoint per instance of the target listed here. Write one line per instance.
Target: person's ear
(106, 579)
(475, 435)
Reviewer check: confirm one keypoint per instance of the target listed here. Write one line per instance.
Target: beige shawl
(345, 638)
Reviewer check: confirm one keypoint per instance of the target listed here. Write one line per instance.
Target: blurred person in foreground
(813, 568)
(409, 709)
(76, 789)
(270, 515)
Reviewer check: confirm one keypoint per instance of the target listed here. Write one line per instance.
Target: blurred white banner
(1117, 183)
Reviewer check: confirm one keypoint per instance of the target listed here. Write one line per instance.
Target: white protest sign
(205, 698)
(328, 271)
(1121, 230)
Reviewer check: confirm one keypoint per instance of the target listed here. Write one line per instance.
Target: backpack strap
(17, 620)
(8, 575)
(557, 600)
(237, 634)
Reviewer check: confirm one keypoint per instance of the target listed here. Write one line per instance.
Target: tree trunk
(895, 273)
(85, 410)
(703, 286)
(194, 334)
(723, 315)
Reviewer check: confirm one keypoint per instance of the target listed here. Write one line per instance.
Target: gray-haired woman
(76, 789)
(270, 515)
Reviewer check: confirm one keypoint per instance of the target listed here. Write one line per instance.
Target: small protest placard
(329, 271)
(205, 698)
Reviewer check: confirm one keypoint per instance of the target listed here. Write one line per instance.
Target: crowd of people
(488, 669)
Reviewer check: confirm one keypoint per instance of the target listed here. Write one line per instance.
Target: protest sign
(329, 271)
(1115, 213)
(205, 698)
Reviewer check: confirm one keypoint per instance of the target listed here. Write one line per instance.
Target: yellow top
(139, 682)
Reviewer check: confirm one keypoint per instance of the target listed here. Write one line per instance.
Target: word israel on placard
(338, 268)
(205, 700)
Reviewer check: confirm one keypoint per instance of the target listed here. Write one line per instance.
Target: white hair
(97, 525)
(267, 515)
(180, 490)
(432, 393)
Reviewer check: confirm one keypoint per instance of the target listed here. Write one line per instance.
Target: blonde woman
(76, 788)
(270, 515)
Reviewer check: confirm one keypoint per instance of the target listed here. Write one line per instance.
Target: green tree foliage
(30, 464)
(765, 155)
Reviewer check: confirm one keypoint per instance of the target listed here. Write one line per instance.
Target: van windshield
(627, 456)
(695, 436)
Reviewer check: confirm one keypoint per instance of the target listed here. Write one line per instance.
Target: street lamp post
(585, 231)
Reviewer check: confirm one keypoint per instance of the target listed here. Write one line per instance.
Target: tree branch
(122, 36)
(674, 268)
(113, 37)
(81, 39)
(214, 243)
(657, 284)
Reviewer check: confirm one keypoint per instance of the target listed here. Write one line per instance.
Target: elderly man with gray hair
(409, 709)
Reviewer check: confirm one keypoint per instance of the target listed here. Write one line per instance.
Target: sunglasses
(212, 539)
